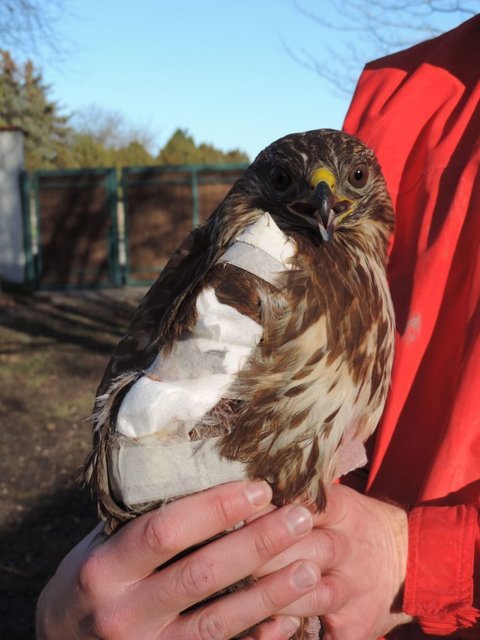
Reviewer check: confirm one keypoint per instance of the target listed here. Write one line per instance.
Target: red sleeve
(439, 589)
(419, 111)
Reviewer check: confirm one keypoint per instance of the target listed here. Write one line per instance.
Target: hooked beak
(323, 207)
(323, 202)
(318, 209)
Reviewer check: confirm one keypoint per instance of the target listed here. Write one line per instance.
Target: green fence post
(195, 207)
(124, 200)
(112, 198)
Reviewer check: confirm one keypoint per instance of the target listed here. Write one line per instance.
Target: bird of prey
(264, 349)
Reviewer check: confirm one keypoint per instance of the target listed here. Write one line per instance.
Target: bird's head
(321, 183)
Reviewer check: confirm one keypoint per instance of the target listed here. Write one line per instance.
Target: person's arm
(440, 582)
(110, 588)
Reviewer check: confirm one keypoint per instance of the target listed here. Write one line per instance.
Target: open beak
(323, 200)
(323, 206)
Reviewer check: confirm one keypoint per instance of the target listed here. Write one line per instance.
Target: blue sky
(218, 68)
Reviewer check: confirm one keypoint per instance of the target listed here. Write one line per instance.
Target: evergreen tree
(87, 152)
(105, 138)
(24, 103)
(133, 154)
(181, 149)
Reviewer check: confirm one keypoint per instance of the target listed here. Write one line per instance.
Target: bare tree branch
(28, 25)
(112, 128)
(376, 28)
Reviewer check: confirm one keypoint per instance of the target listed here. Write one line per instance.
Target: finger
(262, 512)
(149, 541)
(330, 596)
(220, 563)
(277, 628)
(232, 614)
(325, 547)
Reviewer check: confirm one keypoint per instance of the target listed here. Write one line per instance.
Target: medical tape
(254, 260)
(263, 250)
(150, 471)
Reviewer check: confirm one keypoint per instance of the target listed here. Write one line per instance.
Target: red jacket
(419, 110)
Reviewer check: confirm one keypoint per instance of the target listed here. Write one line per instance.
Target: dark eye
(280, 179)
(358, 176)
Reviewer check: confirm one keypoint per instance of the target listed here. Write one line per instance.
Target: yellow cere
(323, 175)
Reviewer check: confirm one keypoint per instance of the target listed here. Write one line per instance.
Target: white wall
(12, 255)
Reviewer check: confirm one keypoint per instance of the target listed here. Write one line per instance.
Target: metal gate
(83, 228)
(162, 205)
(71, 228)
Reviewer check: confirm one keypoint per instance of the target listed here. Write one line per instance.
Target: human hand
(360, 547)
(110, 589)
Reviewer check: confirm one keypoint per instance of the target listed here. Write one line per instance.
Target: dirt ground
(53, 350)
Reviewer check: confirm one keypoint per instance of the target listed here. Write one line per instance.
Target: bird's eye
(358, 176)
(280, 179)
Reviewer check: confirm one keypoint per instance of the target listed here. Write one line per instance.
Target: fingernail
(258, 493)
(304, 577)
(290, 625)
(299, 520)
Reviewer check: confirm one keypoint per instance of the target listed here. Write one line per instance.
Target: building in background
(12, 254)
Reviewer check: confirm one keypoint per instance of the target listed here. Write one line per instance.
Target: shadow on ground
(54, 348)
(93, 320)
(31, 549)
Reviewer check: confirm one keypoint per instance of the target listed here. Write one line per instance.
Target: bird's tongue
(326, 226)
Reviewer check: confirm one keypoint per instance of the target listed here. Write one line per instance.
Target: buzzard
(265, 347)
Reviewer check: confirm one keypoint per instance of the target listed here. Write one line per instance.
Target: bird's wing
(166, 311)
(167, 308)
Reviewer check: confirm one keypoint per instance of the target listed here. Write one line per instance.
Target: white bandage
(151, 471)
(179, 388)
(262, 249)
